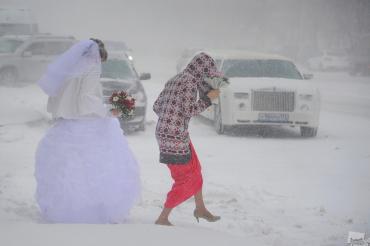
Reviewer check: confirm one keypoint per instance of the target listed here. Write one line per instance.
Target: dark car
(118, 73)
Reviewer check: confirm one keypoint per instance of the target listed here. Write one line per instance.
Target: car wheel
(219, 127)
(8, 76)
(308, 131)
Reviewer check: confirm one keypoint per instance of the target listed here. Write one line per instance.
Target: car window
(49, 48)
(112, 45)
(260, 68)
(37, 48)
(9, 45)
(57, 47)
(118, 69)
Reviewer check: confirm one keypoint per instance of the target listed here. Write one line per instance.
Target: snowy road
(278, 189)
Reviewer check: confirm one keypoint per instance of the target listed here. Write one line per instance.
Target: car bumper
(136, 122)
(264, 107)
(273, 118)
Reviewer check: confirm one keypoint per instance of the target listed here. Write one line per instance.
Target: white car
(329, 60)
(264, 90)
(25, 58)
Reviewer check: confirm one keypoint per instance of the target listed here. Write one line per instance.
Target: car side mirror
(27, 54)
(145, 76)
(307, 76)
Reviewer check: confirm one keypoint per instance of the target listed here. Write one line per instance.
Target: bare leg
(200, 209)
(199, 203)
(163, 217)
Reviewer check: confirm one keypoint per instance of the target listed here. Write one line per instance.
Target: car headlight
(139, 96)
(136, 92)
(306, 97)
(241, 95)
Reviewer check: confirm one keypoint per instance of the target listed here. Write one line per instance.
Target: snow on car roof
(242, 54)
(115, 45)
(16, 37)
(50, 36)
(119, 55)
(36, 36)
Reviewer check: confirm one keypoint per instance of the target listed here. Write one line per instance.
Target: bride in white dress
(85, 170)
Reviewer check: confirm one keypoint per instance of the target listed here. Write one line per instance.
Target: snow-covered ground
(275, 189)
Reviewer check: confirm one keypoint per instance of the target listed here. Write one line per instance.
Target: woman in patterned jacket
(175, 106)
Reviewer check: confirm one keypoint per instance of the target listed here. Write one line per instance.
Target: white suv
(25, 58)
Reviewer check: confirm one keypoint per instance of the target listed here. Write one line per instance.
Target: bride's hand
(115, 112)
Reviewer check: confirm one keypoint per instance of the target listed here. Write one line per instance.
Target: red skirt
(188, 180)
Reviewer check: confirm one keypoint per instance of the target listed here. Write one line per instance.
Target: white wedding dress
(85, 170)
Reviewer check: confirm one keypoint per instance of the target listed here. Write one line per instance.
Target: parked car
(329, 60)
(119, 73)
(119, 46)
(264, 90)
(10, 43)
(25, 58)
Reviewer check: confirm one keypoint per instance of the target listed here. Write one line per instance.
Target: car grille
(282, 101)
(139, 111)
(115, 85)
(111, 86)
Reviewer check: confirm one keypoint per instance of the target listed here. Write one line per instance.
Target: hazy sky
(157, 27)
(144, 23)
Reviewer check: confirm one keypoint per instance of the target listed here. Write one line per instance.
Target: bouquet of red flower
(124, 103)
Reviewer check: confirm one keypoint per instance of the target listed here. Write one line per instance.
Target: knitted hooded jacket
(177, 103)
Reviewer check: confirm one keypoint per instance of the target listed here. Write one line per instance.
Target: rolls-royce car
(264, 89)
(119, 73)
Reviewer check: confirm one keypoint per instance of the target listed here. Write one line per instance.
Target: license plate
(273, 117)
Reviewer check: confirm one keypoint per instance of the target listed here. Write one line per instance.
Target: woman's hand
(115, 112)
(213, 94)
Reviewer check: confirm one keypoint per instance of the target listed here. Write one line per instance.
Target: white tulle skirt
(86, 172)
